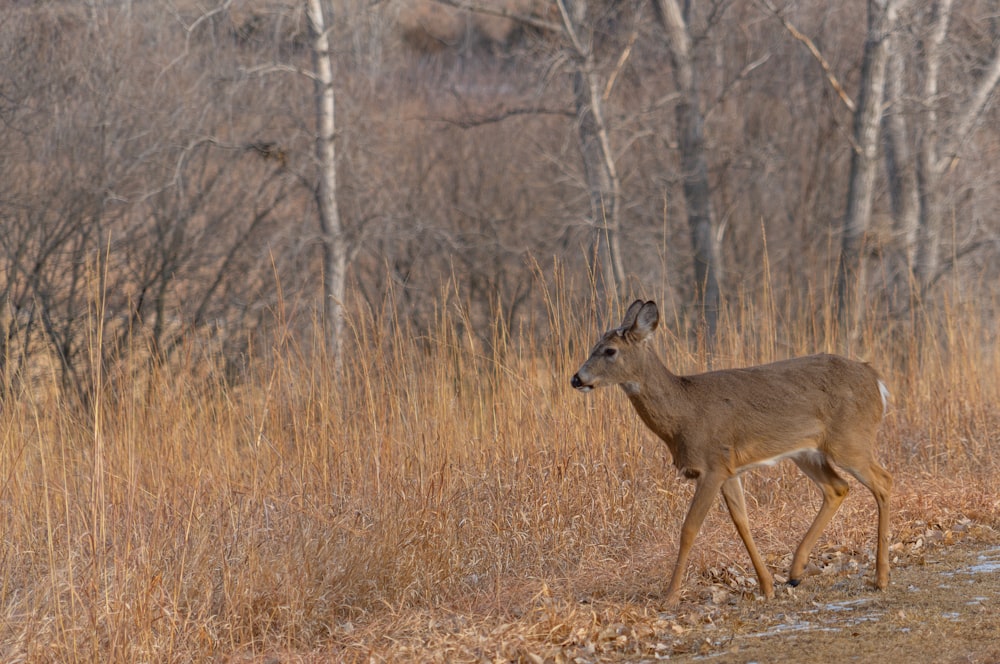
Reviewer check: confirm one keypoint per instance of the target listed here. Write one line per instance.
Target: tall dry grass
(187, 518)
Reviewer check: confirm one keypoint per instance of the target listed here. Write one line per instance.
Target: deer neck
(660, 399)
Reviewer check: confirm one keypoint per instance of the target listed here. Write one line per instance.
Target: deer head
(618, 356)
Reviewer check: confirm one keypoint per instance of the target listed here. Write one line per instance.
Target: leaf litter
(941, 606)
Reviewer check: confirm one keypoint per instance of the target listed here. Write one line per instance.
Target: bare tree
(331, 230)
(694, 164)
(603, 185)
(916, 175)
(576, 31)
(122, 208)
(851, 276)
(924, 132)
(938, 151)
(900, 161)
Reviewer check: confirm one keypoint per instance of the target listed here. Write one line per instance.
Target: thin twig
(526, 19)
(469, 123)
(744, 73)
(827, 69)
(622, 59)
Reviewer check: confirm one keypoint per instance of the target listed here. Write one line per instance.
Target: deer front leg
(706, 490)
(732, 491)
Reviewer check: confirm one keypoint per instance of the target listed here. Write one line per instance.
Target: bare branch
(714, 16)
(932, 58)
(622, 59)
(189, 30)
(571, 29)
(974, 110)
(744, 73)
(278, 68)
(502, 12)
(500, 116)
(952, 261)
(811, 47)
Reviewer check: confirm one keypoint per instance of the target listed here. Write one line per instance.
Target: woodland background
(168, 150)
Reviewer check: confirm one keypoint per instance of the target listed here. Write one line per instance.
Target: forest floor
(942, 605)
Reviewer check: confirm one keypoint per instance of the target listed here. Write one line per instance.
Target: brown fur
(819, 411)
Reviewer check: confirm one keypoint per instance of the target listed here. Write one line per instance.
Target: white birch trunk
(331, 231)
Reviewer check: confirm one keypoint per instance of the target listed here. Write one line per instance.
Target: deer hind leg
(732, 491)
(817, 467)
(879, 482)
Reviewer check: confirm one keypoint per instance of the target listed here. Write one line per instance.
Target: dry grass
(436, 501)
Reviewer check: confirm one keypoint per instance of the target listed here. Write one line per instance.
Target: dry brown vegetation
(435, 501)
(185, 477)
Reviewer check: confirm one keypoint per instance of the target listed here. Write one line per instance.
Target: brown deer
(818, 411)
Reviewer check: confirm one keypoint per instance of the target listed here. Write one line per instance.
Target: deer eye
(610, 352)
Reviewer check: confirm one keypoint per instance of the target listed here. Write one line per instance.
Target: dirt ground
(941, 607)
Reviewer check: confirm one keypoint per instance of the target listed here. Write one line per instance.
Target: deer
(819, 411)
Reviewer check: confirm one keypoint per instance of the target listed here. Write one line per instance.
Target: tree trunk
(603, 185)
(851, 276)
(926, 251)
(901, 169)
(937, 156)
(331, 230)
(603, 188)
(694, 165)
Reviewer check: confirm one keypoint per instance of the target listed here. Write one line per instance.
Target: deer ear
(629, 320)
(646, 319)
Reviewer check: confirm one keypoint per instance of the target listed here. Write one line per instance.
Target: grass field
(438, 499)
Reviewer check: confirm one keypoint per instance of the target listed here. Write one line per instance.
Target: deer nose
(576, 382)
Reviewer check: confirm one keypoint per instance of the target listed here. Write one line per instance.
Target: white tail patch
(884, 391)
